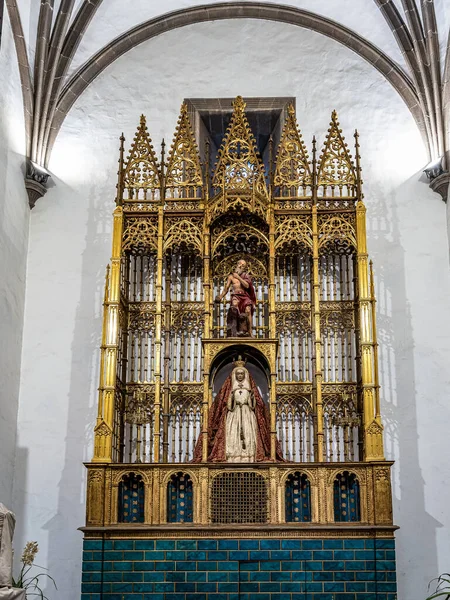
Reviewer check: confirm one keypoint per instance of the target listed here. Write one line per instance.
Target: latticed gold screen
(239, 498)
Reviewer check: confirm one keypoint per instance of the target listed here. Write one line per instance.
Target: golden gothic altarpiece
(298, 226)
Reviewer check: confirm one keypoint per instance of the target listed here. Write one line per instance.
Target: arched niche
(255, 362)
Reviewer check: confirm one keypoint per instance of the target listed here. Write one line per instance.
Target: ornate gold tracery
(303, 238)
(183, 173)
(239, 178)
(292, 169)
(142, 171)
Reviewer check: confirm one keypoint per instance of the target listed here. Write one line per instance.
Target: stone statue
(7, 524)
(242, 303)
(239, 422)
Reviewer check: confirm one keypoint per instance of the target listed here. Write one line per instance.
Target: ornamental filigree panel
(337, 233)
(292, 168)
(337, 315)
(183, 234)
(336, 168)
(141, 168)
(293, 316)
(142, 316)
(140, 235)
(183, 173)
(187, 316)
(239, 238)
(293, 234)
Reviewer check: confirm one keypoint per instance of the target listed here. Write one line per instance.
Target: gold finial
(239, 104)
(143, 121)
(291, 110)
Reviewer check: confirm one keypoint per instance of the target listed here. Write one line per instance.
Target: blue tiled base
(228, 569)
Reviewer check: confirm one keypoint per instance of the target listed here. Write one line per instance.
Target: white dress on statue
(240, 428)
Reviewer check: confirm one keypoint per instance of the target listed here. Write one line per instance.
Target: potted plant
(28, 581)
(442, 587)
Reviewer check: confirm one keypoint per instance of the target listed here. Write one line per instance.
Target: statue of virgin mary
(239, 423)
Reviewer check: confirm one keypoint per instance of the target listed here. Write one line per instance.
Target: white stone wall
(70, 245)
(14, 215)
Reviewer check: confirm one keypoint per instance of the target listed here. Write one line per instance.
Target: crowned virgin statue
(239, 423)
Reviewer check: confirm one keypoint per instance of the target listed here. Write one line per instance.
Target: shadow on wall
(64, 540)
(398, 394)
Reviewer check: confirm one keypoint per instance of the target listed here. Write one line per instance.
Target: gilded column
(167, 358)
(158, 335)
(372, 429)
(207, 333)
(108, 356)
(318, 376)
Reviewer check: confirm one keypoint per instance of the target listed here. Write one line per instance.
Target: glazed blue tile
(207, 544)
(281, 554)
(144, 544)
(311, 565)
(122, 566)
(323, 555)
(354, 544)
(312, 545)
(92, 566)
(155, 555)
(259, 555)
(291, 565)
(165, 544)
(175, 555)
(333, 544)
(121, 588)
(280, 576)
(323, 576)
(248, 544)
(344, 576)
(259, 576)
(249, 566)
(355, 586)
(165, 566)
(184, 587)
(123, 545)
(206, 566)
(291, 544)
(388, 544)
(133, 577)
(344, 555)
(92, 544)
(355, 565)
(113, 555)
(269, 545)
(364, 554)
(217, 555)
(238, 555)
(230, 565)
(144, 566)
(113, 576)
(270, 565)
(154, 576)
(176, 576)
(196, 576)
(196, 555)
(334, 586)
(217, 576)
(302, 555)
(228, 545)
(186, 565)
(186, 544)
